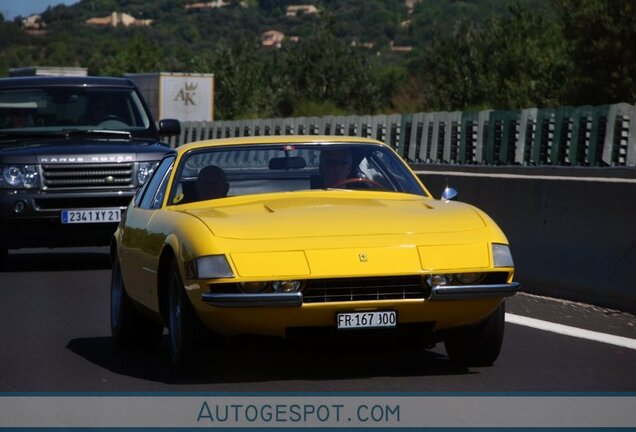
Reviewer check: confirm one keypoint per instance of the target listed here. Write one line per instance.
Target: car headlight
(469, 278)
(287, 286)
(208, 267)
(501, 255)
(436, 280)
(253, 287)
(145, 170)
(19, 177)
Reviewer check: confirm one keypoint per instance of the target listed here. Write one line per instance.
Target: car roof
(277, 139)
(64, 81)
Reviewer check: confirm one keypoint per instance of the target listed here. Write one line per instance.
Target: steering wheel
(359, 180)
(111, 118)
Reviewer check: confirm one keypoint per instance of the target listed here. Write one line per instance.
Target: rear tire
(479, 345)
(129, 328)
(4, 255)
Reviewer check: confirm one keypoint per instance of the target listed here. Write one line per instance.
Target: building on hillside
(400, 48)
(118, 18)
(296, 10)
(272, 38)
(34, 25)
(368, 45)
(410, 5)
(33, 22)
(208, 5)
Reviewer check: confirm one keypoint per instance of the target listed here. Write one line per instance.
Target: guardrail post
(615, 145)
(452, 133)
(543, 136)
(483, 119)
(527, 130)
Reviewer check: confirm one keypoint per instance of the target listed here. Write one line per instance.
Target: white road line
(571, 331)
(529, 177)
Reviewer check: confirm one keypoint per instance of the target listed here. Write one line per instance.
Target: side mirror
(169, 127)
(449, 194)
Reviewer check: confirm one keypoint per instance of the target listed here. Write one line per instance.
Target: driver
(335, 166)
(97, 111)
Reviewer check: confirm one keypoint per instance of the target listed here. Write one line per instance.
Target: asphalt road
(54, 337)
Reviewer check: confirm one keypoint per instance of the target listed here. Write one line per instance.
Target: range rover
(73, 151)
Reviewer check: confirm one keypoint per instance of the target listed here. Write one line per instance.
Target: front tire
(182, 323)
(129, 328)
(479, 345)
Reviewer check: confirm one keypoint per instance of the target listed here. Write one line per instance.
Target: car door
(139, 248)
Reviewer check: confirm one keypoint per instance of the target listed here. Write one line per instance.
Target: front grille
(367, 288)
(104, 175)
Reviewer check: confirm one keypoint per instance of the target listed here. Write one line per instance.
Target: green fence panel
(580, 136)
(467, 138)
(527, 129)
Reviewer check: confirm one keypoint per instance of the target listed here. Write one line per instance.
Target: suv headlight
(145, 170)
(19, 177)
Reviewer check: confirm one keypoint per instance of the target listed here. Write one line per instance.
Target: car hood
(334, 213)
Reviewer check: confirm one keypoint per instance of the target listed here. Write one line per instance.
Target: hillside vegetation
(351, 56)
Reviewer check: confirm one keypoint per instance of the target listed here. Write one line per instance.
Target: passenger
(335, 166)
(211, 183)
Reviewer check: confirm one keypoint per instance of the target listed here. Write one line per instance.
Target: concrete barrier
(572, 231)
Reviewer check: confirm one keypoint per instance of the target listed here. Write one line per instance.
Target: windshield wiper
(96, 132)
(62, 134)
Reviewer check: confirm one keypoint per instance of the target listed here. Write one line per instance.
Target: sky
(12, 8)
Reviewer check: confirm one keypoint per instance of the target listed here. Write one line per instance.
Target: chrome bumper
(467, 292)
(295, 299)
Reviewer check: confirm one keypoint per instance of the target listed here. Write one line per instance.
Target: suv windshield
(55, 109)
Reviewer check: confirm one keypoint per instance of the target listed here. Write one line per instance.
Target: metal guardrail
(567, 136)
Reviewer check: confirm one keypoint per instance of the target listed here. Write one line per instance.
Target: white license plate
(102, 215)
(375, 319)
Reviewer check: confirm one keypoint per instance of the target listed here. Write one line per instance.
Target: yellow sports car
(305, 235)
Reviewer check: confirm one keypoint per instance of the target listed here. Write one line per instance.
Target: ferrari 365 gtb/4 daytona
(294, 235)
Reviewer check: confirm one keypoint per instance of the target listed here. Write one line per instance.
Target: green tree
(513, 61)
(240, 77)
(140, 54)
(322, 68)
(600, 35)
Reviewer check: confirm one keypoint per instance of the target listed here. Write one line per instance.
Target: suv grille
(58, 176)
(361, 289)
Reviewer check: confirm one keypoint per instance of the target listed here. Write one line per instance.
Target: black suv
(73, 151)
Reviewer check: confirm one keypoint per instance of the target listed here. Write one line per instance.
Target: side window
(161, 192)
(156, 182)
(139, 194)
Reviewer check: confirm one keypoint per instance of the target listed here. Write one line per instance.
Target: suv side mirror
(169, 127)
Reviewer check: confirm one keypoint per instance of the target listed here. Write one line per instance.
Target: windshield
(42, 110)
(249, 169)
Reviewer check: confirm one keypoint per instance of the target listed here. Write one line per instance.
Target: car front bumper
(38, 221)
(295, 299)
